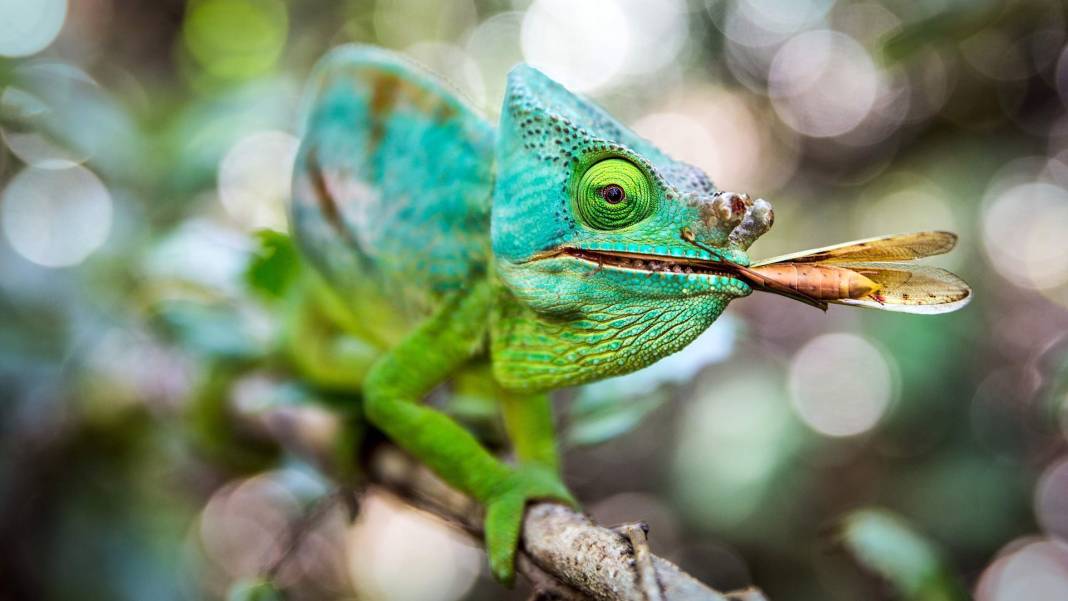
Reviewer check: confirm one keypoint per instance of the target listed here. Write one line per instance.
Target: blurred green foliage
(276, 266)
(148, 375)
(886, 545)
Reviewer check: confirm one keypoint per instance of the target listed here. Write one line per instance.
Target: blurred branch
(564, 555)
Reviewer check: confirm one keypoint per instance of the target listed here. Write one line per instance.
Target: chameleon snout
(731, 219)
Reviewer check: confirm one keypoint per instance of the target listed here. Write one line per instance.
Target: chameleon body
(557, 246)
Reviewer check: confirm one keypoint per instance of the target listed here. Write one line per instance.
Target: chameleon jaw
(724, 275)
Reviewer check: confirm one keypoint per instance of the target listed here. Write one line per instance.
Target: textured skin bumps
(573, 322)
(546, 136)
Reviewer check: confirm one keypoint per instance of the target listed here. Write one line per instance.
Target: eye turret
(613, 194)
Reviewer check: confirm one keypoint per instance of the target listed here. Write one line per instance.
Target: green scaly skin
(558, 246)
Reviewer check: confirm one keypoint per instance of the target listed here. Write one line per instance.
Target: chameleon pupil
(613, 194)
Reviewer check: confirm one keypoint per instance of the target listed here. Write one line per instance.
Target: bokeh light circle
(29, 26)
(40, 118)
(680, 135)
(785, 16)
(742, 412)
(918, 207)
(724, 142)
(236, 38)
(889, 110)
(494, 46)
(453, 64)
(1035, 571)
(658, 32)
(718, 131)
(1051, 500)
(56, 218)
(582, 45)
(1024, 234)
(931, 79)
(19, 110)
(765, 24)
(840, 384)
(910, 203)
(401, 538)
(823, 83)
(254, 179)
(1062, 75)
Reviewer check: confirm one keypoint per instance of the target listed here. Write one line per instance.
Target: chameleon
(552, 248)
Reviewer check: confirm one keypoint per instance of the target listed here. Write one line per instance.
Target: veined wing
(910, 288)
(897, 247)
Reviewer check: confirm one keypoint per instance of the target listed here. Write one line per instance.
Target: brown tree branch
(564, 554)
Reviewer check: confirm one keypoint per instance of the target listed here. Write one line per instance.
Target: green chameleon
(555, 249)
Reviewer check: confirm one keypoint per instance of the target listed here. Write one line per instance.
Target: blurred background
(145, 150)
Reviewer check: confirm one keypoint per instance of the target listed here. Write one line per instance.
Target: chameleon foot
(505, 510)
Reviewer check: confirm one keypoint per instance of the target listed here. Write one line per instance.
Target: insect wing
(911, 288)
(898, 247)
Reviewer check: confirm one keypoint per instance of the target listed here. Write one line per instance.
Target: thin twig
(643, 560)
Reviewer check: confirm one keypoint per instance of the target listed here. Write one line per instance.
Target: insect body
(821, 282)
(872, 273)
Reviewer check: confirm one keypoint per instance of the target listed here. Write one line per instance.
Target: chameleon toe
(504, 514)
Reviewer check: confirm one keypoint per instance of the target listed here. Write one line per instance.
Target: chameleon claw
(505, 511)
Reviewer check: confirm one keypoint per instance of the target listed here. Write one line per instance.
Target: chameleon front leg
(398, 382)
(529, 421)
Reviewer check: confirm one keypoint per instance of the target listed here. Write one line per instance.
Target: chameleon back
(392, 186)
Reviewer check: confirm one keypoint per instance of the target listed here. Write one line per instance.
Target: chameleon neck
(535, 351)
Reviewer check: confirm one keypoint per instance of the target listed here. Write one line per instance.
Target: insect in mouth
(874, 272)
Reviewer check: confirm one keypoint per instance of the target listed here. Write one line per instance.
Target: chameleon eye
(614, 194)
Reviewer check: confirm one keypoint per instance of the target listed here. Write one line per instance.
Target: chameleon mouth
(653, 264)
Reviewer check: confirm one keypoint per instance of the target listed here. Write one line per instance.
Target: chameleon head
(615, 254)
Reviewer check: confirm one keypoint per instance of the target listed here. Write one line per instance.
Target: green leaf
(612, 407)
(596, 416)
(948, 24)
(887, 545)
(253, 590)
(275, 266)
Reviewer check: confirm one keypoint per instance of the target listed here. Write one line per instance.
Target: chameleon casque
(555, 248)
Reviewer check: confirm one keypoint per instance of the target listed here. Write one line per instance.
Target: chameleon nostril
(737, 204)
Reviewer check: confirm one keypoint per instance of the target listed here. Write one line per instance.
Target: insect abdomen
(820, 282)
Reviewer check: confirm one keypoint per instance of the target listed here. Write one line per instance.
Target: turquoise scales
(560, 242)
(393, 182)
